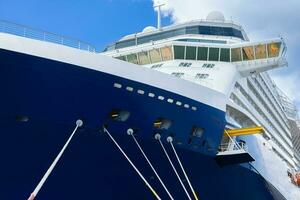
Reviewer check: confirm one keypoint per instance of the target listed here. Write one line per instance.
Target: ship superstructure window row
(202, 53)
(202, 30)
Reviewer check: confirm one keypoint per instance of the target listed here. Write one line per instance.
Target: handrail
(27, 32)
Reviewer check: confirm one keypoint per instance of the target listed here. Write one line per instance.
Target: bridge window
(166, 53)
(132, 58)
(248, 53)
(179, 52)
(122, 58)
(225, 55)
(155, 55)
(202, 53)
(236, 55)
(214, 54)
(144, 58)
(260, 51)
(273, 49)
(191, 53)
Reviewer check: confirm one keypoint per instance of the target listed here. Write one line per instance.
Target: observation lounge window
(213, 54)
(144, 58)
(202, 53)
(260, 51)
(155, 55)
(248, 53)
(273, 49)
(132, 58)
(225, 55)
(179, 52)
(122, 58)
(167, 53)
(236, 55)
(191, 53)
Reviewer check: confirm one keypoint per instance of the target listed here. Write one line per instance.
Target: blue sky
(100, 22)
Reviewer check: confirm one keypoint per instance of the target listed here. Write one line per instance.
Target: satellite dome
(215, 16)
(149, 29)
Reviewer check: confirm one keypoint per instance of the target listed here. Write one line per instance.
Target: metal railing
(27, 32)
(232, 146)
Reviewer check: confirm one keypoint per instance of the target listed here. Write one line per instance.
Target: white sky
(262, 19)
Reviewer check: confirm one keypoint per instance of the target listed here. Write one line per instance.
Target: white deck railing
(27, 32)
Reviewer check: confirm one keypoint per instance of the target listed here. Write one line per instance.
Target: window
(156, 66)
(155, 55)
(202, 53)
(201, 76)
(273, 49)
(225, 55)
(177, 74)
(166, 53)
(260, 51)
(213, 54)
(190, 53)
(144, 58)
(208, 65)
(132, 58)
(236, 55)
(179, 52)
(248, 53)
(185, 64)
(121, 58)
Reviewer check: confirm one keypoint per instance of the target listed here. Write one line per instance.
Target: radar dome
(149, 29)
(215, 16)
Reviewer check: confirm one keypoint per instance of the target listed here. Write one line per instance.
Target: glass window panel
(214, 54)
(236, 55)
(132, 58)
(248, 53)
(202, 53)
(225, 55)
(167, 53)
(179, 52)
(122, 58)
(190, 53)
(144, 58)
(155, 55)
(260, 51)
(273, 49)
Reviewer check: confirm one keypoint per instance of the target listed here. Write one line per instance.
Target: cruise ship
(186, 111)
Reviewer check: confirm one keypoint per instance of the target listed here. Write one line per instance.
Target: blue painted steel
(54, 95)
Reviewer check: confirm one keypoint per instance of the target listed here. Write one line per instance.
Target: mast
(158, 6)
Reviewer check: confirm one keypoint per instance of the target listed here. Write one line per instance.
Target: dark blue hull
(53, 95)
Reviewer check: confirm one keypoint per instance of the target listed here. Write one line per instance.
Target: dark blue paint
(53, 95)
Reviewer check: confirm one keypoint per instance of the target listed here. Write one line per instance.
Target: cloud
(262, 19)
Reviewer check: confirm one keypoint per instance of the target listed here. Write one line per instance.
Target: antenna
(158, 6)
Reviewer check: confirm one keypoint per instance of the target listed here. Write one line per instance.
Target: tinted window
(273, 49)
(202, 53)
(236, 55)
(124, 44)
(225, 55)
(167, 53)
(122, 58)
(190, 53)
(260, 51)
(132, 58)
(248, 53)
(144, 58)
(179, 52)
(155, 55)
(213, 54)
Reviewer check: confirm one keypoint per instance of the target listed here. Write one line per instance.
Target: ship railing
(230, 146)
(27, 32)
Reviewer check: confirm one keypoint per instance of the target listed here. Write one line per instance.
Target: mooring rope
(130, 132)
(131, 163)
(158, 137)
(79, 123)
(170, 140)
